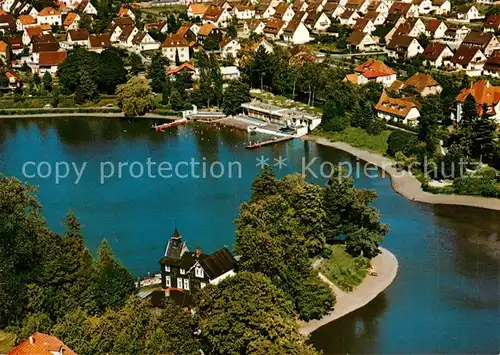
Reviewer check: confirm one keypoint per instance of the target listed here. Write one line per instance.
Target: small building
(435, 29)
(49, 16)
(192, 271)
(49, 61)
(274, 28)
(230, 73)
(41, 344)
(422, 83)
(469, 59)
(492, 66)
(196, 10)
(159, 26)
(7, 23)
(296, 32)
(79, 37)
(349, 18)
(262, 42)
(86, 7)
(361, 41)
(404, 8)
(441, 7)
(365, 25)
(4, 49)
(209, 31)
(402, 110)
(403, 46)
(424, 6)
(99, 42)
(318, 21)
(243, 12)
(377, 18)
(300, 121)
(217, 16)
(143, 41)
(372, 70)
(16, 43)
(284, 11)
(484, 94)
(125, 11)
(229, 48)
(24, 21)
(468, 13)
(176, 44)
(436, 53)
(71, 21)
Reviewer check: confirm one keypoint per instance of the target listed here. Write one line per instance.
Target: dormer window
(167, 268)
(198, 271)
(183, 271)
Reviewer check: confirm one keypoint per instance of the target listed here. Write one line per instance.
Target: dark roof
(218, 263)
(400, 7)
(493, 63)
(464, 55)
(400, 42)
(48, 38)
(45, 47)
(493, 21)
(81, 34)
(477, 38)
(7, 22)
(175, 246)
(100, 41)
(49, 59)
(15, 41)
(434, 50)
(355, 38)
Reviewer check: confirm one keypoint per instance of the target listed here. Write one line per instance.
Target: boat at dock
(165, 126)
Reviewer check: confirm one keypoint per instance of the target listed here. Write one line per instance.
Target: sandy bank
(385, 265)
(406, 184)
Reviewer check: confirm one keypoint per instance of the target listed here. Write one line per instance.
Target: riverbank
(384, 266)
(86, 114)
(404, 182)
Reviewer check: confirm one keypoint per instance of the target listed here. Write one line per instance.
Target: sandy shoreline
(386, 267)
(406, 184)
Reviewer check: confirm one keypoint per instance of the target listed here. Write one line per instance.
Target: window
(198, 271)
(167, 281)
(202, 285)
(183, 272)
(167, 268)
(179, 282)
(186, 284)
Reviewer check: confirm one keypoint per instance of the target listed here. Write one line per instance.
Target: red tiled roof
(183, 66)
(433, 25)
(49, 59)
(434, 50)
(41, 344)
(483, 92)
(49, 11)
(398, 107)
(374, 68)
(175, 41)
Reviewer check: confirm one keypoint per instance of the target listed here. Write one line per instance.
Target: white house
(219, 17)
(243, 12)
(436, 53)
(176, 44)
(143, 41)
(441, 7)
(318, 21)
(79, 37)
(349, 18)
(377, 18)
(372, 71)
(435, 29)
(229, 48)
(361, 41)
(397, 110)
(126, 12)
(484, 94)
(71, 21)
(468, 13)
(364, 25)
(49, 16)
(24, 21)
(230, 73)
(87, 8)
(424, 6)
(469, 59)
(403, 46)
(296, 33)
(284, 11)
(49, 61)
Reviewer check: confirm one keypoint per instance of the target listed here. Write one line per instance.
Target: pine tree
(216, 79)
(157, 73)
(484, 134)
(177, 59)
(47, 81)
(167, 91)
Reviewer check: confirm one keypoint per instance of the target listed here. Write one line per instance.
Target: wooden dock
(269, 142)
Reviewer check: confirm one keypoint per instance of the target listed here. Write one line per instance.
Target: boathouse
(299, 120)
(192, 271)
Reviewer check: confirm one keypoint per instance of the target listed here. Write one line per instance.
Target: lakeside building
(41, 344)
(301, 121)
(190, 271)
(402, 110)
(486, 96)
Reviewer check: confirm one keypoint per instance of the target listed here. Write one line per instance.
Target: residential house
(470, 59)
(318, 21)
(71, 21)
(7, 23)
(30, 32)
(263, 43)
(441, 7)
(49, 16)
(143, 41)
(492, 65)
(455, 35)
(492, 24)
(394, 20)
(435, 29)
(361, 41)
(14, 80)
(486, 41)
(349, 18)
(378, 6)
(377, 18)
(99, 42)
(274, 28)
(209, 31)
(127, 36)
(196, 10)
(79, 37)
(49, 61)
(176, 44)
(424, 6)
(230, 73)
(125, 11)
(296, 32)
(404, 8)
(284, 11)
(300, 6)
(24, 21)
(364, 25)
(402, 110)
(16, 43)
(372, 70)
(119, 26)
(334, 9)
(186, 31)
(41, 344)
(413, 27)
(192, 271)
(488, 2)
(86, 7)
(467, 13)
(243, 12)
(265, 10)
(184, 67)
(357, 5)
(484, 94)
(43, 44)
(403, 46)
(217, 16)
(436, 53)
(254, 26)
(422, 83)
(229, 48)
(8, 5)
(160, 26)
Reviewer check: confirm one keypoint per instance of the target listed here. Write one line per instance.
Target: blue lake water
(445, 299)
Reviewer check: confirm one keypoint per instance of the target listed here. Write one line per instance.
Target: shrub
(401, 141)
(476, 185)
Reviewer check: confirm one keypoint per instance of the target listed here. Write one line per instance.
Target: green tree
(430, 115)
(111, 71)
(484, 137)
(167, 91)
(333, 120)
(47, 81)
(245, 313)
(235, 94)
(135, 97)
(86, 90)
(363, 242)
(156, 73)
(135, 62)
(80, 67)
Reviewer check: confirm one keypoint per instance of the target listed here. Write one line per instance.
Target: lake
(445, 299)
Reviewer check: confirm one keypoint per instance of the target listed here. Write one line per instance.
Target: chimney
(198, 252)
(32, 340)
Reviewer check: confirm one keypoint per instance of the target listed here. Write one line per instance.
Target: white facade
(230, 49)
(411, 118)
(323, 23)
(216, 281)
(244, 13)
(169, 52)
(90, 9)
(53, 19)
(299, 36)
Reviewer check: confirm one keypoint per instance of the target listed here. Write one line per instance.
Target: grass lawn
(359, 138)
(6, 341)
(343, 270)
(283, 101)
(164, 10)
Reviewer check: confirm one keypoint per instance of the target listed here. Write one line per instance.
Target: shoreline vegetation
(405, 183)
(384, 271)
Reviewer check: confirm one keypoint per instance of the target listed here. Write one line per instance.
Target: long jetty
(268, 142)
